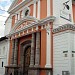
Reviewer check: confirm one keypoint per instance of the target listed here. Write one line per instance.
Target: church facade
(41, 37)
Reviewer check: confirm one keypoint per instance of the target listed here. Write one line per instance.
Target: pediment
(13, 5)
(25, 22)
(17, 4)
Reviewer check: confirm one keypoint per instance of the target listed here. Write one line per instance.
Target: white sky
(4, 5)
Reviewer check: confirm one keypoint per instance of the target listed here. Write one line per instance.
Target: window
(65, 55)
(2, 63)
(72, 55)
(65, 73)
(26, 12)
(11, 74)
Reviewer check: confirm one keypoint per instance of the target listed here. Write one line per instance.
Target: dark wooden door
(26, 60)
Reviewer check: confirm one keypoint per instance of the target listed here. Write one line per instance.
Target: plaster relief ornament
(66, 5)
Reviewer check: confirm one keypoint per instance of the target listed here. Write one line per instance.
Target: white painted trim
(37, 22)
(21, 6)
(67, 31)
(27, 30)
(19, 34)
(18, 6)
(34, 10)
(37, 28)
(32, 29)
(23, 32)
(18, 15)
(41, 27)
(13, 4)
(74, 57)
(48, 48)
(69, 52)
(48, 8)
(22, 14)
(38, 10)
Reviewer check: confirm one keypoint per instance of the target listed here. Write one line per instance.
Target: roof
(3, 38)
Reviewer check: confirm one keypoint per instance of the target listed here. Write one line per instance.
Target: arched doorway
(27, 52)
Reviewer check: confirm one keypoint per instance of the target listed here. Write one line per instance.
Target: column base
(31, 72)
(36, 65)
(48, 66)
(31, 65)
(11, 70)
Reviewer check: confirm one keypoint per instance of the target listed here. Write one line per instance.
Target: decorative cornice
(12, 5)
(12, 10)
(33, 24)
(19, 22)
(63, 28)
(20, 5)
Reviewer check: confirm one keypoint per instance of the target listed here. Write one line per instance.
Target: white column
(34, 9)
(32, 50)
(19, 16)
(48, 47)
(38, 10)
(48, 8)
(22, 13)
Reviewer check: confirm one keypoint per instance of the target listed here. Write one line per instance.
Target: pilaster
(12, 56)
(48, 8)
(16, 52)
(37, 54)
(34, 9)
(48, 47)
(38, 10)
(32, 50)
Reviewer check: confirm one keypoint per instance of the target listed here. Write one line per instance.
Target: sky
(4, 5)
